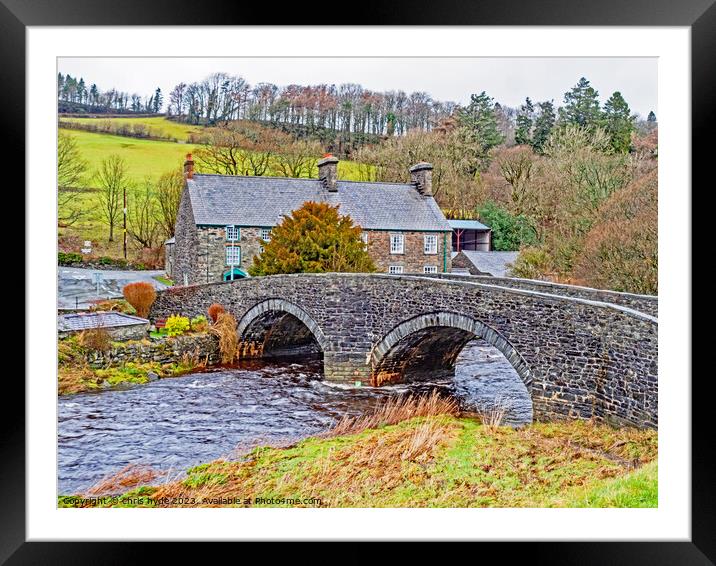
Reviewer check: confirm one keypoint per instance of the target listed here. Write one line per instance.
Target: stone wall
(578, 358)
(648, 304)
(165, 351)
(414, 259)
(186, 248)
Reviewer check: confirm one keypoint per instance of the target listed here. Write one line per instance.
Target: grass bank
(75, 375)
(428, 461)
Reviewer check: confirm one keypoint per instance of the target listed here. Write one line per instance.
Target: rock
(152, 376)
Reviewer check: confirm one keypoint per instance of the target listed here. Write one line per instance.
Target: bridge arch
(435, 340)
(274, 326)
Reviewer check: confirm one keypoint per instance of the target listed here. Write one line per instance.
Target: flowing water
(173, 424)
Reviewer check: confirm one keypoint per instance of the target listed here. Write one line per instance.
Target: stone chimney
(328, 172)
(421, 175)
(189, 167)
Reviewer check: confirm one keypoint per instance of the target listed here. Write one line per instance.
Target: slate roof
(468, 225)
(221, 200)
(86, 321)
(495, 263)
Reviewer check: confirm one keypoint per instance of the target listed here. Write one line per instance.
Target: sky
(508, 80)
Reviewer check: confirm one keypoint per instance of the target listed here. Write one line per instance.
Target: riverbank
(82, 368)
(434, 461)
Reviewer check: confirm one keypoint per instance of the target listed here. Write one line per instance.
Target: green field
(149, 158)
(145, 158)
(160, 125)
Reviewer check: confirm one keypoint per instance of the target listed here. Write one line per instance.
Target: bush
(199, 323)
(141, 296)
(116, 305)
(214, 311)
(509, 232)
(68, 258)
(95, 339)
(177, 325)
(532, 263)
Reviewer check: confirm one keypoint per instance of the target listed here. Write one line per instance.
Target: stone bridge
(581, 353)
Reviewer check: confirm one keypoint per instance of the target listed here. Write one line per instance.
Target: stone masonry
(578, 358)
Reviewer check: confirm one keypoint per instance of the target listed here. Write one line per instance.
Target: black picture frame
(699, 15)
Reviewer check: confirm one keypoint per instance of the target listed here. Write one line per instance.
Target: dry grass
(225, 329)
(432, 461)
(492, 414)
(131, 476)
(395, 410)
(95, 339)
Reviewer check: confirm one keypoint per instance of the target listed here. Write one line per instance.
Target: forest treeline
(76, 96)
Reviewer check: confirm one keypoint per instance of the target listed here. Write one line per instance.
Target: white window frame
(432, 248)
(430, 269)
(266, 234)
(395, 269)
(395, 249)
(261, 249)
(364, 239)
(233, 233)
(234, 249)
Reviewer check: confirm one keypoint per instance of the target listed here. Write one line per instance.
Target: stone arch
(260, 322)
(466, 329)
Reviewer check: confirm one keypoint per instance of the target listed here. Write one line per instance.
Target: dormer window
(233, 234)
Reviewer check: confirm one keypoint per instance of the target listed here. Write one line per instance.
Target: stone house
(224, 220)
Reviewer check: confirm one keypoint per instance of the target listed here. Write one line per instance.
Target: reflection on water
(172, 424)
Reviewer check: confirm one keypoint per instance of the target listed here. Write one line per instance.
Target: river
(172, 424)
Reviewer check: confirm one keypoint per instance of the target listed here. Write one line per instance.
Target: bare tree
(169, 190)
(71, 171)
(297, 159)
(142, 220)
(113, 182)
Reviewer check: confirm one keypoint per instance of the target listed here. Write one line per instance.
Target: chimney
(421, 175)
(189, 167)
(328, 172)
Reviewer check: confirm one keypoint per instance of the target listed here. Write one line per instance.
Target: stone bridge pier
(581, 353)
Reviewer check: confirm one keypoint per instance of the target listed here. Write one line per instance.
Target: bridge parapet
(579, 358)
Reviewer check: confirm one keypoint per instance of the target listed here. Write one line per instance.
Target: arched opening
(278, 329)
(491, 377)
(427, 346)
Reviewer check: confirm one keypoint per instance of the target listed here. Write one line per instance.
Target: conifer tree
(523, 133)
(315, 238)
(543, 124)
(581, 106)
(618, 122)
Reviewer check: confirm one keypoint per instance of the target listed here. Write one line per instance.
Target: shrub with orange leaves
(141, 295)
(214, 311)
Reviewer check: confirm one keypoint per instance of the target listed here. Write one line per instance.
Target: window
(396, 243)
(233, 255)
(395, 269)
(364, 239)
(266, 234)
(431, 244)
(232, 234)
(430, 269)
(261, 249)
